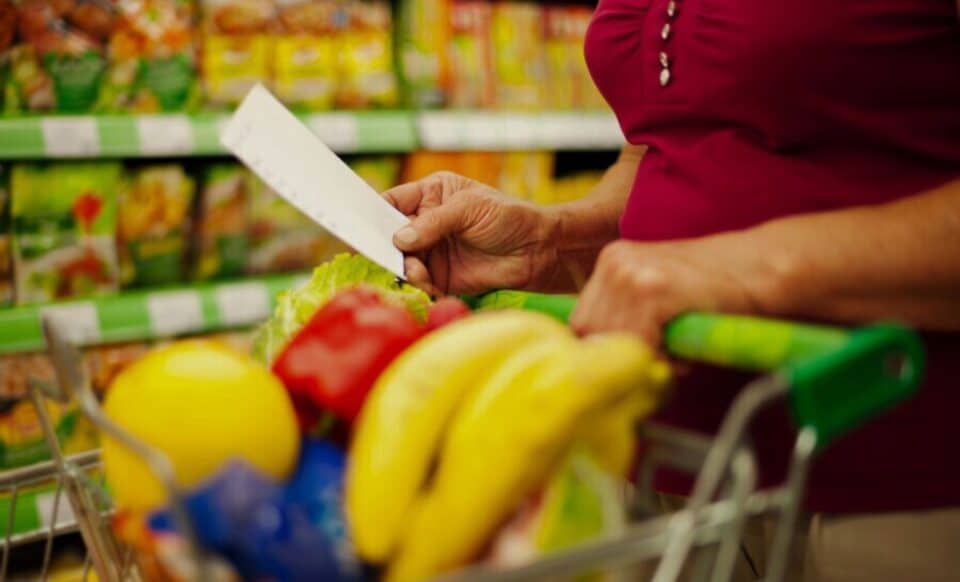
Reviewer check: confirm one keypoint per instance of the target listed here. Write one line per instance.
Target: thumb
(430, 227)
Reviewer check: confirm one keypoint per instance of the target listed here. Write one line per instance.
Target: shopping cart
(832, 380)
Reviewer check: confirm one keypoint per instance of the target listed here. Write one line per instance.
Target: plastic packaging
(305, 57)
(237, 47)
(222, 225)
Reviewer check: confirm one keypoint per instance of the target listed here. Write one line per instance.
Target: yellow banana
(404, 419)
(507, 437)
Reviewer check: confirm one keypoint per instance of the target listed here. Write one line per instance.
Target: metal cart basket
(832, 380)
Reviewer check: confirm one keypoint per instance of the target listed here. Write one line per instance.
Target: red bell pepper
(333, 361)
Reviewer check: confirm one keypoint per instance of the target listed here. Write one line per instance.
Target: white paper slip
(286, 155)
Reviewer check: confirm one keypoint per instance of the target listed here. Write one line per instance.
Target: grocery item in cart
(365, 56)
(305, 57)
(471, 54)
(296, 307)
(64, 228)
(422, 40)
(61, 56)
(237, 47)
(281, 238)
(152, 65)
(153, 225)
(203, 404)
(6, 253)
(518, 55)
(221, 234)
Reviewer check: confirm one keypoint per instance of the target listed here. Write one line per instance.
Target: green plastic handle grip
(837, 378)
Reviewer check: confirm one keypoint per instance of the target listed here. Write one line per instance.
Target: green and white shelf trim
(100, 136)
(143, 315)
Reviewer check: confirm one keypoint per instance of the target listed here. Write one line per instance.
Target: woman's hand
(466, 237)
(640, 287)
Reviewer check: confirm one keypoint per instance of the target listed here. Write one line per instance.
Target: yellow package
(518, 55)
(422, 40)
(237, 47)
(305, 53)
(366, 74)
(560, 59)
(471, 66)
(528, 175)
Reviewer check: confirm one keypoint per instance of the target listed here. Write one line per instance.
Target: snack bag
(64, 228)
(528, 175)
(6, 257)
(367, 78)
(560, 53)
(586, 95)
(381, 172)
(221, 234)
(153, 221)
(422, 40)
(281, 237)
(471, 55)
(61, 58)
(151, 57)
(518, 55)
(305, 57)
(237, 47)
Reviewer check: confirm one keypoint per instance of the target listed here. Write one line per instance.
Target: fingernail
(406, 236)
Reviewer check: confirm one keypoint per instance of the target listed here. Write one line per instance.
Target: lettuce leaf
(296, 307)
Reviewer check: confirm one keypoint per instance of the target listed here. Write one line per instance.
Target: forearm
(583, 227)
(894, 261)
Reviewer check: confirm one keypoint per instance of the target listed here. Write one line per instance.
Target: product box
(471, 55)
(60, 57)
(560, 53)
(221, 243)
(151, 62)
(586, 95)
(422, 41)
(6, 253)
(365, 50)
(305, 52)
(518, 55)
(154, 216)
(64, 219)
(281, 238)
(528, 175)
(237, 47)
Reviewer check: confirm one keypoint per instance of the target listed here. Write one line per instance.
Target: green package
(153, 222)
(6, 258)
(422, 41)
(54, 80)
(221, 243)
(281, 237)
(64, 226)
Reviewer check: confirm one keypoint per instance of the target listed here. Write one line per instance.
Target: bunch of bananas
(471, 420)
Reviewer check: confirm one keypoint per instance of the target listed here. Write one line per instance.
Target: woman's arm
(898, 261)
(583, 227)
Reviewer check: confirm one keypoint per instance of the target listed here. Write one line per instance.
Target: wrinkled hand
(640, 287)
(466, 237)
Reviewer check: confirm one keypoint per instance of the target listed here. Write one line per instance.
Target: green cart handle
(837, 378)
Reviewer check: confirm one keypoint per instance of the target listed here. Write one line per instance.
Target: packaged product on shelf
(64, 228)
(471, 56)
(221, 245)
(367, 77)
(518, 55)
(154, 212)
(305, 53)
(237, 47)
(151, 57)
(421, 164)
(61, 56)
(484, 167)
(8, 30)
(282, 238)
(528, 175)
(560, 52)
(422, 40)
(6, 255)
(587, 96)
(381, 172)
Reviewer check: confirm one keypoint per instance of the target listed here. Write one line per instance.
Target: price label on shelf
(242, 303)
(78, 320)
(70, 137)
(164, 134)
(337, 130)
(174, 312)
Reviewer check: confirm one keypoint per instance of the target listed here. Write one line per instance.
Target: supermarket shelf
(346, 132)
(184, 135)
(492, 130)
(142, 315)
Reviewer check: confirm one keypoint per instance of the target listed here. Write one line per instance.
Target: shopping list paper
(286, 155)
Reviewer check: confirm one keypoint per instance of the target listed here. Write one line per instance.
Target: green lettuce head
(296, 307)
